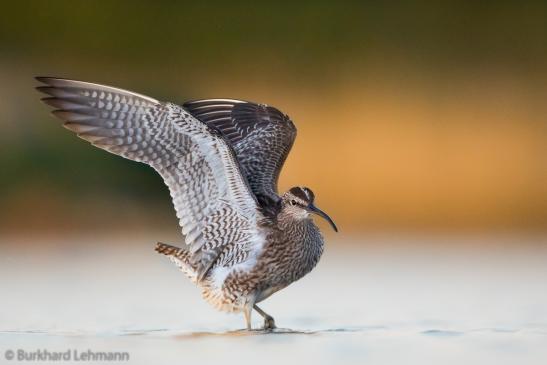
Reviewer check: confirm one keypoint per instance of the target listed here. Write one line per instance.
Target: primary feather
(217, 211)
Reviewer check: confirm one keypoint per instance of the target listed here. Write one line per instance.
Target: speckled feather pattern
(284, 259)
(216, 210)
(220, 159)
(261, 136)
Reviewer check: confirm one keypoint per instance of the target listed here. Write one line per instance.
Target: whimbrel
(220, 159)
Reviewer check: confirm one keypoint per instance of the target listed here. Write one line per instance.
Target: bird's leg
(247, 312)
(269, 323)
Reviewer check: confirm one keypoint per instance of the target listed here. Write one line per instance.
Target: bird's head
(299, 203)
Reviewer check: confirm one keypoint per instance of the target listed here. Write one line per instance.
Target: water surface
(383, 303)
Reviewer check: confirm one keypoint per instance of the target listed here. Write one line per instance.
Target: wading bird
(220, 159)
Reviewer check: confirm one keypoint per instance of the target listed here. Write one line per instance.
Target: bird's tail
(168, 250)
(179, 256)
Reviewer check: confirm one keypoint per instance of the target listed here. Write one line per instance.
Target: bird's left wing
(217, 212)
(261, 136)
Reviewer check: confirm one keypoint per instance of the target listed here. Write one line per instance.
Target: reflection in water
(164, 332)
(442, 333)
(244, 332)
(178, 334)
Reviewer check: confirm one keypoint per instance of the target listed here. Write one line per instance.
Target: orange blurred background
(410, 118)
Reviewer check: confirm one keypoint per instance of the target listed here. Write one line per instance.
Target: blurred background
(412, 116)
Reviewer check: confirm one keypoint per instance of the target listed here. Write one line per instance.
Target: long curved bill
(313, 209)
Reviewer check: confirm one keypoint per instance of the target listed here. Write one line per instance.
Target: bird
(221, 160)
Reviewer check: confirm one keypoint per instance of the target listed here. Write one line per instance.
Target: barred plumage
(220, 159)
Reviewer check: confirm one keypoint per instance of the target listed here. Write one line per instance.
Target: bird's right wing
(216, 209)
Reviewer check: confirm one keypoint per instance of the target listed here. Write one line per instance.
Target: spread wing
(261, 136)
(216, 209)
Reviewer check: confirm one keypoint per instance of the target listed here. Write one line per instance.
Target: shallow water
(378, 300)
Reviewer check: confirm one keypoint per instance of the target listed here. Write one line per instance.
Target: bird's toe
(269, 323)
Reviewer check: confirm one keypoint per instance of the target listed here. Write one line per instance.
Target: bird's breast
(291, 253)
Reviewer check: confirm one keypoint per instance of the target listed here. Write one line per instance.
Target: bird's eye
(293, 202)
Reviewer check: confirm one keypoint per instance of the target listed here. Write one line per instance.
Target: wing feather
(217, 211)
(261, 136)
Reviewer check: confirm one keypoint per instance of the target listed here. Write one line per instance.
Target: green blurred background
(412, 116)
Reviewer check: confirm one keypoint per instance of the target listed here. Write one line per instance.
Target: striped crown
(303, 193)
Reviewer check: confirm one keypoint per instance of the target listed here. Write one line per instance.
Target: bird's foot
(269, 323)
